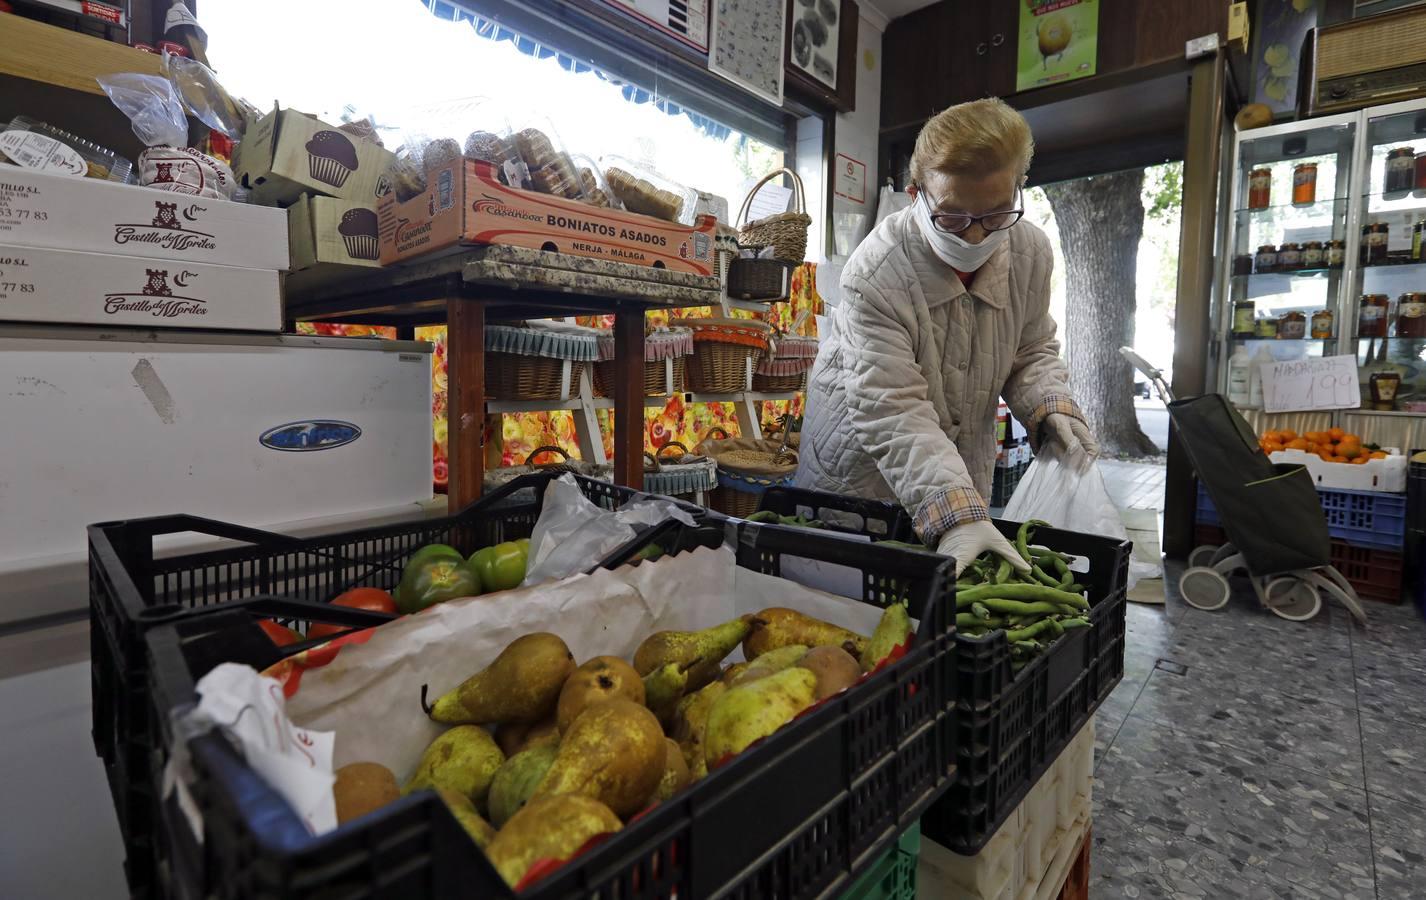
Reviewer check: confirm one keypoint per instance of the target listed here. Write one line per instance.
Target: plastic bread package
(551, 169)
(643, 190)
(160, 121)
(591, 178)
(37, 145)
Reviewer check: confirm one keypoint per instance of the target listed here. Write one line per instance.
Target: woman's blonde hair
(976, 138)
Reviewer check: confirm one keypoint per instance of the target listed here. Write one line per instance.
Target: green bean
(971, 621)
(1066, 581)
(999, 606)
(1030, 592)
(1056, 627)
(1029, 631)
(1069, 624)
(980, 610)
(1022, 538)
(1043, 578)
(1002, 574)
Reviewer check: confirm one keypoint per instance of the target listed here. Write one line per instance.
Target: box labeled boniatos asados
(68, 287)
(465, 203)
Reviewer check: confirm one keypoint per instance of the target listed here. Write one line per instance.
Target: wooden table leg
(629, 398)
(465, 406)
(1076, 886)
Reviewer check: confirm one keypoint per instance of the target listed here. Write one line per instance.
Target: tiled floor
(1247, 756)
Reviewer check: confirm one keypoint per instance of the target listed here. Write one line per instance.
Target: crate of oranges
(1338, 459)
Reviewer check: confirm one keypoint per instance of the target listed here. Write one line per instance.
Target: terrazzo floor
(1247, 756)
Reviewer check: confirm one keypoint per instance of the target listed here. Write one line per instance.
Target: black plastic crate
(1008, 728)
(799, 816)
(872, 518)
(132, 590)
(1004, 482)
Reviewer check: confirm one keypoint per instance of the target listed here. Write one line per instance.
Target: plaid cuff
(1051, 404)
(946, 509)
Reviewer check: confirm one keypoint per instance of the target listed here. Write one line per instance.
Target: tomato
(435, 580)
(281, 635)
(373, 599)
(500, 567)
(431, 551)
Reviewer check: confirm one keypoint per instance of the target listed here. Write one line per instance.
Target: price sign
(1311, 384)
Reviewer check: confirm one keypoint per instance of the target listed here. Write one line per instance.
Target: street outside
(1154, 419)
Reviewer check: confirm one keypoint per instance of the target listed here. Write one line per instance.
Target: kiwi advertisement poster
(1058, 42)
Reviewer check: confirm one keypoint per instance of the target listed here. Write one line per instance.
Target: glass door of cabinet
(1283, 285)
(1389, 321)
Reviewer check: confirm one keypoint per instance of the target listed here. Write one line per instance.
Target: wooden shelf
(62, 58)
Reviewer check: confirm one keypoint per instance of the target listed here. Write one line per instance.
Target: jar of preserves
(1267, 328)
(1265, 260)
(1312, 255)
(1335, 254)
(1292, 326)
(1384, 387)
(1372, 315)
(1260, 188)
(1411, 315)
(1418, 237)
(1400, 169)
(1322, 323)
(1421, 170)
(1243, 311)
(1289, 257)
(1304, 184)
(1376, 237)
(1243, 264)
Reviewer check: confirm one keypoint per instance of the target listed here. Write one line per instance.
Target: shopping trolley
(1289, 567)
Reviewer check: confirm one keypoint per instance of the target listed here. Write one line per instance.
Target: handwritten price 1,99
(1329, 383)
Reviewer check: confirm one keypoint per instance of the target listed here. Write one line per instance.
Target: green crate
(893, 877)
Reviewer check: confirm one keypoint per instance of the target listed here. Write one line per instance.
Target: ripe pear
(834, 667)
(602, 678)
(514, 737)
(663, 688)
(731, 673)
(675, 774)
(463, 759)
(468, 817)
(362, 787)
(613, 752)
(892, 631)
(752, 711)
(690, 722)
(548, 828)
(521, 685)
(702, 651)
(513, 783)
(770, 662)
(779, 627)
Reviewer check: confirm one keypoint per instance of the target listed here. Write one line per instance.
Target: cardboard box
(66, 213)
(328, 231)
(465, 203)
(69, 287)
(288, 154)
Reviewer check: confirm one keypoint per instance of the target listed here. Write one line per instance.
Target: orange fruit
(1273, 447)
(1378, 454)
(1336, 433)
(1270, 435)
(1350, 451)
(1318, 437)
(1324, 455)
(1298, 444)
(1339, 459)
(1312, 446)
(1287, 435)
(1361, 460)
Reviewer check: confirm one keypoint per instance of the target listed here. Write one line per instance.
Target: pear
(602, 678)
(663, 688)
(675, 774)
(521, 685)
(514, 737)
(362, 787)
(834, 667)
(702, 651)
(463, 759)
(548, 828)
(613, 752)
(752, 711)
(690, 721)
(731, 673)
(468, 817)
(778, 627)
(770, 662)
(892, 631)
(513, 783)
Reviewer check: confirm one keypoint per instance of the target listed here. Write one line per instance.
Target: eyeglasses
(955, 223)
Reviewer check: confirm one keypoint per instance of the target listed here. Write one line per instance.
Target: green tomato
(501, 567)
(435, 581)
(429, 552)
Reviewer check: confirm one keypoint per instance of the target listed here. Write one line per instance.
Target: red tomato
(373, 599)
(281, 635)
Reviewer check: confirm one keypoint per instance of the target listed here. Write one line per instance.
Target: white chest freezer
(259, 430)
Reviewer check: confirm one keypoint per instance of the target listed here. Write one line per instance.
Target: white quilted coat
(901, 401)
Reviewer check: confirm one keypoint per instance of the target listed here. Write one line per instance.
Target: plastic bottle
(1239, 388)
(1255, 377)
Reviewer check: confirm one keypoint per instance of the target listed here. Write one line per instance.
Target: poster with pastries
(745, 45)
(1058, 42)
(816, 28)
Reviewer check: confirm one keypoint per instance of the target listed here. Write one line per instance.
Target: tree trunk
(1100, 220)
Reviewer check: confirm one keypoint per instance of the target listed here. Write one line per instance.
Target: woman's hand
(966, 542)
(1077, 446)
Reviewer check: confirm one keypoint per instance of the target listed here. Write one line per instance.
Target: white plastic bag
(1075, 501)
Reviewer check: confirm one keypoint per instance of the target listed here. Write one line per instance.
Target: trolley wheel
(1292, 598)
(1203, 588)
(1202, 555)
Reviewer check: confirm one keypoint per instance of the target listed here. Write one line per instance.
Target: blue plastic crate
(1362, 518)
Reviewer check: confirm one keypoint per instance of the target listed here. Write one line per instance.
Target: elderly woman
(945, 310)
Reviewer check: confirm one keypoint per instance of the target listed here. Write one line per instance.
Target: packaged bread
(439, 152)
(487, 146)
(591, 179)
(37, 145)
(641, 196)
(407, 174)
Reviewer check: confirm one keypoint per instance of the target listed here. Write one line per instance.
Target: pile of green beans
(1033, 609)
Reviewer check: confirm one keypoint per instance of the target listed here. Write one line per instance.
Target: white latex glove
(1077, 447)
(966, 542)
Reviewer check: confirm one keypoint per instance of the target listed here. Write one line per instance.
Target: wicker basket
(785, 232)
(786, 365)
(746, 469)
(758, 279)
(524, 362)
(663, 349)
(723, 350)
(497, 478)
(681, 476)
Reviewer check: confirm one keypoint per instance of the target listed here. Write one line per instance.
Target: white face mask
(951, 250)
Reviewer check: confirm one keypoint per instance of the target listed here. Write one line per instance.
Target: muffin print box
(289, 153)
(326, 230)
(465, 203)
